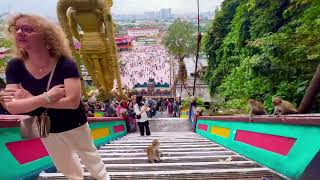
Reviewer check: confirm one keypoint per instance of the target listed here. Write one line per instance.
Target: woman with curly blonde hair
(41, 48)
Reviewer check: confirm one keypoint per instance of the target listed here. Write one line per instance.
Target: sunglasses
(24, 28)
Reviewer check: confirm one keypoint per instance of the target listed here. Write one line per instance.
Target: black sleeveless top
(61, 119)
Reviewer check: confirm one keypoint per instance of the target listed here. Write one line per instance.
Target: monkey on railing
(283, 107)
(256, 108)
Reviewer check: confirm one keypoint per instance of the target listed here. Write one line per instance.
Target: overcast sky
(48, 7)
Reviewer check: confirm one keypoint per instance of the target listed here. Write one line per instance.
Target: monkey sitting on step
(153, 152)
(256, 108)
(282, 107)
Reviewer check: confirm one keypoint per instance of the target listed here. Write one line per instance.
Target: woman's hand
(10, 94)
(21, 93)
(145, 109)
(56, 93)
(7, 95)
(1, 97)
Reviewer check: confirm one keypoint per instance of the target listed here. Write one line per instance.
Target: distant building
(142, 32)
(151, 88)
(165, 13)
(202, 89)
(124, 43)
(151, 15)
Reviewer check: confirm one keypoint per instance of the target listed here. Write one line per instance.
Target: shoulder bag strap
(49, 82)
(50, 78)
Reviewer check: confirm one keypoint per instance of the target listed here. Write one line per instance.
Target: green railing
(285, 144)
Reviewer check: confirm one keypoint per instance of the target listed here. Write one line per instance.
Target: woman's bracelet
(45, 95)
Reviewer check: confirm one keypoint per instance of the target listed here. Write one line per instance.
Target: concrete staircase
(186, 155)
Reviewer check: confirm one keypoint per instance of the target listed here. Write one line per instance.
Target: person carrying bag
(37, 126)
(43, 80)
(141, 114)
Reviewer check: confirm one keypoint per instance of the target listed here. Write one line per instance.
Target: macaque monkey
(153, 152)
(256, 108)
(230, 158)
(282, 107)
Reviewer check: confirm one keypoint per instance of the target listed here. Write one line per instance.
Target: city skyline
(123, 7)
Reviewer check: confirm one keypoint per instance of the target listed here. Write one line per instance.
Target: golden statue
(90, 22)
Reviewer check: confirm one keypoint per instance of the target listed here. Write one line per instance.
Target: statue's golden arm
(108, 3)
(62, 7)
(73, 24)
(109, 27)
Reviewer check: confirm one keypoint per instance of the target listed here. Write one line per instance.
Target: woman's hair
(139, 100)
(122, 104)
(54, 37)
(107, 101)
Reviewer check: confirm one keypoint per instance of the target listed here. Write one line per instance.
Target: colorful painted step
(25, 159)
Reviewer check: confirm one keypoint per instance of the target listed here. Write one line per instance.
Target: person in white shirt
(141, 114)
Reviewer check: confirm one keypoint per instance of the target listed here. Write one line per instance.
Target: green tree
(213, 40)
(180, 40)
(6, 44)
(265, 48)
